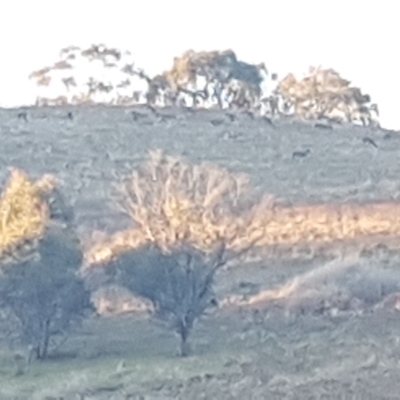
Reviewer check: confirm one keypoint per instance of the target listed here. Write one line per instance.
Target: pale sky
(358, 38)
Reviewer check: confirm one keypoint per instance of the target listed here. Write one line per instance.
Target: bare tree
(190, 220)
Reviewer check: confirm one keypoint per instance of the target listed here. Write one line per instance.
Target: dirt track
(101, 145)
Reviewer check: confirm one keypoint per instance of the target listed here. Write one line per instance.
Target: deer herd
(206, 79)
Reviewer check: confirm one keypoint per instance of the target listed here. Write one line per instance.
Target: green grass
(125, 352)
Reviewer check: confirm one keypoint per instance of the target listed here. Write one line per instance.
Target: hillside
(277, 350)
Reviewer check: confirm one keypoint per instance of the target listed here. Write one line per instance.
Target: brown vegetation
(328, 222)
(200, 204)
(309, 224)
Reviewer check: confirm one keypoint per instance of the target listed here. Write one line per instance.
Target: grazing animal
(268, 120)
(368, 140)
(136, 115)
(231, 117)
(217, 122)
(323, 126)
(23, 115)
(301, 154)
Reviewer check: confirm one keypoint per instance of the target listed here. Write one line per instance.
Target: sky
(357, 38)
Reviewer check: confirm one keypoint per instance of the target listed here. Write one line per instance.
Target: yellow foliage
(23, 212)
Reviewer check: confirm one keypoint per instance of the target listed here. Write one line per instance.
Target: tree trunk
(184, 346)
(44, 343)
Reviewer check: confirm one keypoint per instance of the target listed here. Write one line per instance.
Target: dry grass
(102, 248)
(23, 213)
(323, 223)
(170, 201)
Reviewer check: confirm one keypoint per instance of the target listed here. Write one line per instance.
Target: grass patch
(120, 352)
